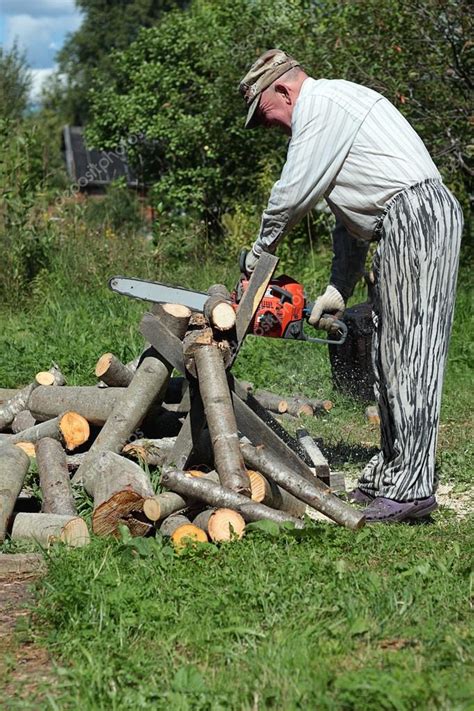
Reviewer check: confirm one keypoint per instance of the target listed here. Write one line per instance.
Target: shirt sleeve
(322, 135)
(348, 262)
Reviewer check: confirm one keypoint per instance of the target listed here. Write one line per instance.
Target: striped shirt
(351, 146)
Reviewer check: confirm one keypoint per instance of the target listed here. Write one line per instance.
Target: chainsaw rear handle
(337, 325)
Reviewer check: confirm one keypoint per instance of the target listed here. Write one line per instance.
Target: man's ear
(282, 89)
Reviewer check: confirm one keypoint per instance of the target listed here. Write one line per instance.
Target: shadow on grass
(343, 453)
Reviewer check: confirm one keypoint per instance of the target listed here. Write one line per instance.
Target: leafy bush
(174, 97)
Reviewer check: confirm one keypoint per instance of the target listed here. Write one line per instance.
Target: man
(351, 146)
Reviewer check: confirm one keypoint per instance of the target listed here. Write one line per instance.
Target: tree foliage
(107, 25)
(15, 83)
(173, 93)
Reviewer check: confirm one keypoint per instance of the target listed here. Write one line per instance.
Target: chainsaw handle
(337, 325)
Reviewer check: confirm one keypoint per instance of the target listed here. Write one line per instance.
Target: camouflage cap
(271, 65)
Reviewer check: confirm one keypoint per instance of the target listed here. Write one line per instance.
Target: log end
(103, 364)
(223, 316)
(117, 510)
(74, 429)
(152, 508)
(257, 485)
(44, 377)
(186, 535)
(28, 448)
(75, 533)
(225, 525)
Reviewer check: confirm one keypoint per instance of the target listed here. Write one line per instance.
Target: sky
(40, 28)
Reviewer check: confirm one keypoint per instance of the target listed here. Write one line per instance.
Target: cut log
(159, 507)
(59, 378)
(174, 316)
(54, 478)
(14, 465)
(220, 417)
(298, 408)
(220, 497)
(48, 528)
(265, 491)
(8, 393)
(263, 460)
(372, 415)
(221, 524)
(69, 428)
(23, 421)
(270, 401)
(119, 488)
(182, 532)
(218, 309)
(19, 401)
(45, 378)
(147, 387)
(112, 371)
(210, 476)
(93, 404)
(28, 448)
(320, 463)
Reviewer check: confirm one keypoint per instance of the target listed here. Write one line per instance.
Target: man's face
(274, 110)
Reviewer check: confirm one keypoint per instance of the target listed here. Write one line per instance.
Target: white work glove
(331, 302)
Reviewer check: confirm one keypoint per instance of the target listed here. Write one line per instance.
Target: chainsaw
(280, 314)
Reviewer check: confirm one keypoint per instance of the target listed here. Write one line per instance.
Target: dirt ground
(24, 666)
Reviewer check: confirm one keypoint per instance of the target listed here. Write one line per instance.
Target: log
(112, 371)
(265, 491)
(54, 478)
(174, 316)
(11, 408)
(14, 465)
(8, 393)
(159, 507)
(318, 459)
(221, 524)
(218, 309)
(119, 488)
(270, 401)
(216, 495)
(182, 532)
(23, 421)
(298, 408)
(48, 528)
(372, 415)
(28, 448)
(264, 460)
(147, 387)
(70, 428)
(220, 417)
(300, 405)
(153, 452)
(93, 404)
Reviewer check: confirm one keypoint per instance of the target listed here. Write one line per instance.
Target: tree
(172, 95)
(107, 25)
(15, 83)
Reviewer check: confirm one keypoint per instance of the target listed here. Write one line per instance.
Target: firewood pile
(224, 459)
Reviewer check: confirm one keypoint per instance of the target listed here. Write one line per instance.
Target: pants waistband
(408, 193)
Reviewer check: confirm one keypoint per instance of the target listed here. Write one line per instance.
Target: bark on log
(147, 387)
(216, 495)
(322, 499)
(119, 488)
(221, 524)
(49, 528)
(8, 393)
(153, 452)
(23, 421)
(372, 415)
(159, 507)
(182, 532)
(70, 428)
(93, 404)
(320, 462)
(11, 408)
(266, 491)
(54, 478)
(217, 402)
(111, 371)
(14, 465)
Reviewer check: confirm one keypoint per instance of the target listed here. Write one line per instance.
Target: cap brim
(252, 115)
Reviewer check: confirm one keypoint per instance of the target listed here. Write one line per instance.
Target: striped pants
(415, 269)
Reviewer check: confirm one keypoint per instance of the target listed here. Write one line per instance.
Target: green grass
(319, 619)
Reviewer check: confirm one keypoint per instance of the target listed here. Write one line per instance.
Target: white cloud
(35, 35)
(38, 8)
(39, 77)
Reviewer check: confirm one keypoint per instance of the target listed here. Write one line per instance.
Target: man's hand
(331, 302)
(247, 262)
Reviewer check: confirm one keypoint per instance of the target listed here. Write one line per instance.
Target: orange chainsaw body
(281, 310)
